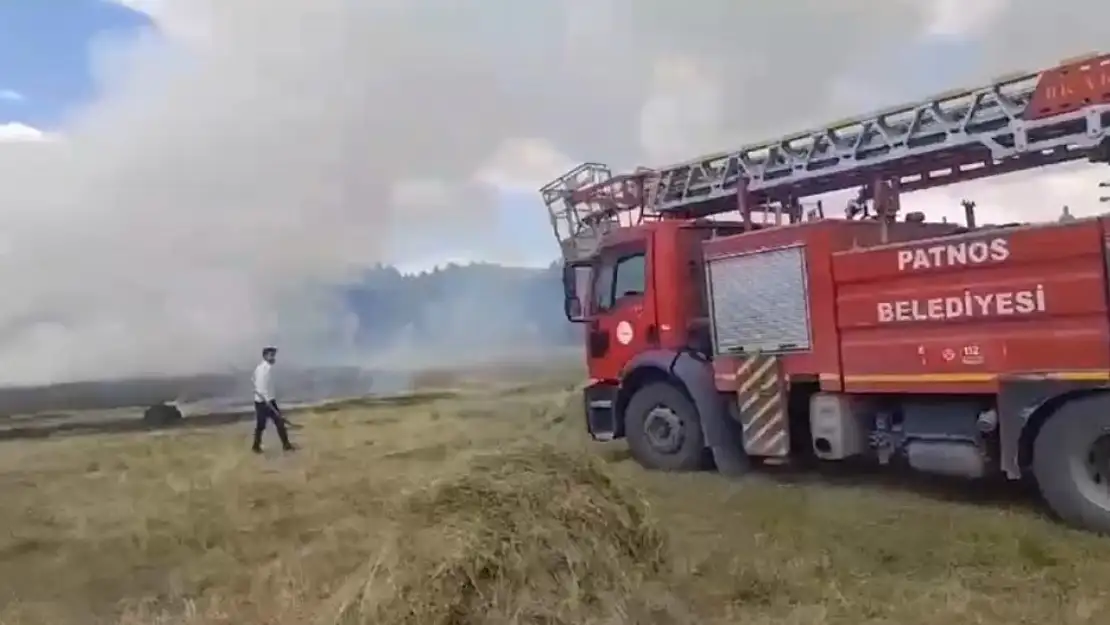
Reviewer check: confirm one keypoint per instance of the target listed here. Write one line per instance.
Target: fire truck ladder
(1016, 122)
(587, 202)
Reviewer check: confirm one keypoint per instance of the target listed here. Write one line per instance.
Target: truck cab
(641, 296)
(635, 294)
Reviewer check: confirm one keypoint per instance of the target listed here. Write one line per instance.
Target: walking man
(265, 402)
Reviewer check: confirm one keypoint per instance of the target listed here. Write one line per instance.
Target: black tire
(1060, 455)
(686, 451)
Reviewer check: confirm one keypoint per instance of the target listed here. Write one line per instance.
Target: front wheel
(1071, 463)
(663, 429)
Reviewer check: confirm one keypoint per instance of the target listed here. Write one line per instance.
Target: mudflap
(600, 407)
(761, 402)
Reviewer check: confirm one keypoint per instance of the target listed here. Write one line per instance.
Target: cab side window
(602, 290)
(614, 281)
(630, 280)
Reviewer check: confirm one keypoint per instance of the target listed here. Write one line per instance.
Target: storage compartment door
(759, 303)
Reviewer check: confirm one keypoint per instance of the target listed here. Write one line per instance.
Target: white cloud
(523, 164)
(152, 8)
(424, 265)
(10, 95)
(275, 147)
(17, 132)
(182, 20)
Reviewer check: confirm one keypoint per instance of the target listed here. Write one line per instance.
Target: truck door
(623, 320)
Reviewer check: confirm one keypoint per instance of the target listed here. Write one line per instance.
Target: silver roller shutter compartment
(759, 301)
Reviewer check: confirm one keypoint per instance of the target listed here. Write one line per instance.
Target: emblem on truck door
(624, 333)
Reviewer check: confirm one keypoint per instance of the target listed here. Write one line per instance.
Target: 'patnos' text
(999, 304)
(954, 254)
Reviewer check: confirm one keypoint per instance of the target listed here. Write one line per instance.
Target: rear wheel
(1071, 462)
(663, 429)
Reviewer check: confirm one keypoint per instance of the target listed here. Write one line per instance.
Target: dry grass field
(486, 504)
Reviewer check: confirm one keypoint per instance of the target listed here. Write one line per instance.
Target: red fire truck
(781, 335)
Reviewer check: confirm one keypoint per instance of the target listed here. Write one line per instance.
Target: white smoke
(258, 152)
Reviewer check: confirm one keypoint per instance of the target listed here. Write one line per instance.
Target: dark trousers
(264, 412)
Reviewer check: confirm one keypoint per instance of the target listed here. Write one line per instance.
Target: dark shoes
(290, 447)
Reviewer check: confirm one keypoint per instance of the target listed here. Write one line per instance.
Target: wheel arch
(1040, 415)
(692, 375)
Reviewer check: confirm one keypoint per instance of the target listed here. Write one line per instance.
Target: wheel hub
(1098, 461)
(1095, 474)
(664, 430)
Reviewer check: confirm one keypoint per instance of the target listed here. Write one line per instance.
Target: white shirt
(263, 382)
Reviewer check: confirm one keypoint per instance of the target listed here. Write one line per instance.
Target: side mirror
(572, 303)
(572, 308)
(568, 279)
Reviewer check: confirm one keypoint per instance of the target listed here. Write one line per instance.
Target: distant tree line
(461, 305)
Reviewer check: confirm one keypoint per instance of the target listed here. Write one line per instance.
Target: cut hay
(526, 536)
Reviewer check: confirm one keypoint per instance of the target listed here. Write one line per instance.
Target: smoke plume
(250, 156)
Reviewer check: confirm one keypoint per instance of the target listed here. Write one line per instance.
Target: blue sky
(44, 55)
